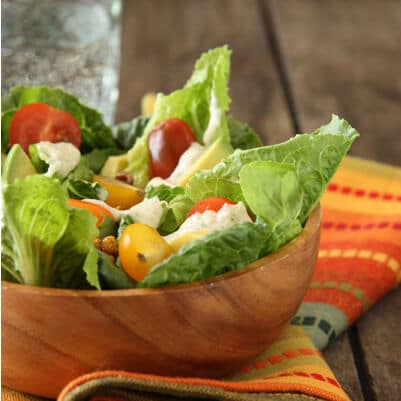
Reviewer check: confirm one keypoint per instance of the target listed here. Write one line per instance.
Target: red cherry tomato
(212, 203)
(36, 122)
(167, 142)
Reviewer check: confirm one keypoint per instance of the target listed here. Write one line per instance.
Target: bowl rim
(311, 226)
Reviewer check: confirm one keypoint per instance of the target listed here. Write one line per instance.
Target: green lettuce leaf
(95, 133)
(81, 189)
(177, 206)
(214, 254)
(108, 226)
(45, 242)
(126, 133)
(36, 216)
(111, 276)
(315, 157)
(205, 93)
(97, 157)
(205, 185)
(273, 193)
(242, 136)
(74, 261)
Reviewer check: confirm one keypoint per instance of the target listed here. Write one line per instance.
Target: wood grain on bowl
(205, 329)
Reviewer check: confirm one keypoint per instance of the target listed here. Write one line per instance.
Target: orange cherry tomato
(140, 248)
(96, 210)
(121, 195)
(36, 122)
(167, 142)
(212, 203)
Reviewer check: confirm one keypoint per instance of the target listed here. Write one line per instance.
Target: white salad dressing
(62, 157)
(214, 121)
(149, 211)
(210, 220)
(185, 162)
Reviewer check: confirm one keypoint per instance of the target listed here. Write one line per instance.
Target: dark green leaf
(97, 157)
(126, 133)
(111, 276)
(214, 254)
(242, 135)
(108, 226)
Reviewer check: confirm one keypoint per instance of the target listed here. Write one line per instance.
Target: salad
(183, 194)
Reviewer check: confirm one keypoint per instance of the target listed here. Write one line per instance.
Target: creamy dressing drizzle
(149, 211)
(227, 216)
(214, 121)
(62, 157)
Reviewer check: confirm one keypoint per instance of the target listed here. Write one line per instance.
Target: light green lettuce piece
(177, 206)
(206, 185)
(47, 243)
(205, 92)
(273, 193)
(315, 157)
(36, 217)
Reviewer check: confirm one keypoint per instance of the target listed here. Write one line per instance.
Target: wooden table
(294, 63)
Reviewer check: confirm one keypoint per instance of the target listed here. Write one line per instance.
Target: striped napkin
(359, 261)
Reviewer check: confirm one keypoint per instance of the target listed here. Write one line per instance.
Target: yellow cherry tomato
(140, 248)
(121, 195)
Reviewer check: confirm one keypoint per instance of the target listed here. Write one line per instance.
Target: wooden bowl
(205, 329)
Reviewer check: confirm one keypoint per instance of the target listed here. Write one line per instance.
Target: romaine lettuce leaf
(315, 157)
(95, 133)
(202, 104)
(177, 206)
(46, 242)
(273, 193)
(205, 185)
(214, 254)
(74, 260)
(36, 216)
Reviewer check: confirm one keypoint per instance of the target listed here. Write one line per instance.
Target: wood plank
(380, 337)
(344, 57)
(162, 39)
(339, 357)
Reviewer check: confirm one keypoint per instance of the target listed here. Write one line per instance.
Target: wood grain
(220, 323)
(162, 40)
(339, 357)
(345, 57)
(380, 337)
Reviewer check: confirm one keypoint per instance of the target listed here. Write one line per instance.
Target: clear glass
(73, 44)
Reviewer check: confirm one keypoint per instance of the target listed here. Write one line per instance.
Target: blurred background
(294, 62)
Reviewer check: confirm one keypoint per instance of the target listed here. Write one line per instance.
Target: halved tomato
(212, 203)
(36, 122)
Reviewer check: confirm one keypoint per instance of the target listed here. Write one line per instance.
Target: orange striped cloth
(359, 261)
